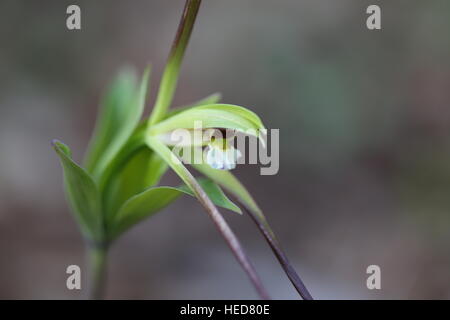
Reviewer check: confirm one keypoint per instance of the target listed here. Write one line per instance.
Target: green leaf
(82, 194)
(131, 171)
(134, 143)
(211, 99)
(117, 122)
(143, 170)
(212, 116)
(142, 206)
(155, 199)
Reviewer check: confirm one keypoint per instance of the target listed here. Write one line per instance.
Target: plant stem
(268, 234)
(170, 76)
(212, 211)
(240, 194)
(97, 264)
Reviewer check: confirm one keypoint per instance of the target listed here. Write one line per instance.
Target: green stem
(172, 69)
(97, 264)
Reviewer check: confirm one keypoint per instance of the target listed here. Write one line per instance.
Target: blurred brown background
(364, 120)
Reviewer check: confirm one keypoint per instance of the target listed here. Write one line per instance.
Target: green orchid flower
(117, 185)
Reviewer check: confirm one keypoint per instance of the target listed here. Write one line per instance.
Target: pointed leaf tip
(82, 194)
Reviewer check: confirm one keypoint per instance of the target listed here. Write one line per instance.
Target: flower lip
(221, 155)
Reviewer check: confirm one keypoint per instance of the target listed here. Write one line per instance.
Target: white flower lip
(218, 157)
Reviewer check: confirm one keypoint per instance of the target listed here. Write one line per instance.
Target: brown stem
(170, 76)
(279, 253)
(231, 240)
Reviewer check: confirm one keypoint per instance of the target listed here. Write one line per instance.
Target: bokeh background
(364, 119)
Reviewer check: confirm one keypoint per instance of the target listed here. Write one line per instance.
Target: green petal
(212, 116)
(241, 111)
